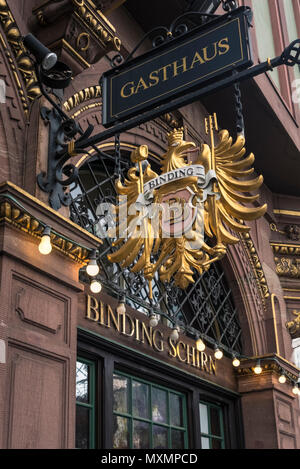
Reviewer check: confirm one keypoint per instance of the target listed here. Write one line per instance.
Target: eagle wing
(132, 223)
(234, 190)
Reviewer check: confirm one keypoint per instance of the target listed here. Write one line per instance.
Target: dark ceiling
(150, 14)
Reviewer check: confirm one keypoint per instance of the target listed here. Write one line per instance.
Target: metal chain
(240, 124)
(118, 171)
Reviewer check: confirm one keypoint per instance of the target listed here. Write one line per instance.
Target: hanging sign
(178, 67)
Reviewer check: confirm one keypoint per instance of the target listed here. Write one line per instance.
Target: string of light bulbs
(45, 247)
(92, 269)
(282, 379)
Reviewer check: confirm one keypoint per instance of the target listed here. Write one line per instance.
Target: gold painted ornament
(205, 195)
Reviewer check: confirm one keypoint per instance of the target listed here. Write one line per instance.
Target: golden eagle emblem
(183, 220)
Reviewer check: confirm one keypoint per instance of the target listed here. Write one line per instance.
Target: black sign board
(178, 67)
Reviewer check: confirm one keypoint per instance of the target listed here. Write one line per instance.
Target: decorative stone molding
(17, 56)
(12, 213)
(294, 326)
(292, 232)
(287, 259)
(271, 364)
(81, 97)
(287, 267)
(257, 267)
(79, 33)
(95, 93)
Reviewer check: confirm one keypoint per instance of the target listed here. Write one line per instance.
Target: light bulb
(96, 286)
(92, 268)
(45, 246)
(257, 369)
(175, 334)
(121, 308)
(153, 320)
(236, 362)
(218, 354)
(200, 345)
(282, 379)
(296, 390)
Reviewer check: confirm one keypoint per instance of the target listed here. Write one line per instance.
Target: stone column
(38, 329)
(270, 410)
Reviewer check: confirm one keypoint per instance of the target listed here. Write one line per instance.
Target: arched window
(206, 306)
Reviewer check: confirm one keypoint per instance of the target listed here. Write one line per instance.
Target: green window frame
(212, 426)
(147, 424)
(85, 404)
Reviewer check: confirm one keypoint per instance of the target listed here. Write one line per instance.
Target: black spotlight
(58, 77)
(43, 55)
(53, 74)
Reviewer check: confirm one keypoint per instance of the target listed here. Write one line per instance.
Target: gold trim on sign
(181, 86)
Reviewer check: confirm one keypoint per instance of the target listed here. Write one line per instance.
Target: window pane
(141, 435)
(120, 387)
(82, 382)
(176, 410)
(205, 443)
(216, 444)
(292, 28)
(160, 437)
(159, 405)
(121, 433)
(177, 439)
(215, 423)
(140, 400)
(264, 34)
(204, 418)
(82, 427)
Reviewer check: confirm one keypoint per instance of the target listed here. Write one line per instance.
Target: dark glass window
(147, 416)
(85, 404)
(212, 426)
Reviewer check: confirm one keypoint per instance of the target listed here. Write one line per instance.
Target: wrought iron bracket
(52, 182)
(290, 57)
(63, 144)
(181, 25)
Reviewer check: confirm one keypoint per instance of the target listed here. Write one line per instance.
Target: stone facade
(41, 301)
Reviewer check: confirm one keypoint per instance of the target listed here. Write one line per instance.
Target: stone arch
(242, 267)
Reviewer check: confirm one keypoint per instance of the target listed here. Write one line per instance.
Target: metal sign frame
(177, 67)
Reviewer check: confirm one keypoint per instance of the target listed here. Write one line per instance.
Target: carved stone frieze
(294, 326)
(287, 267)
(13, 214)
(268, 367)
(257, 267)
(292, 232)
(18, 59)
(287, 260)
(78, 32)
